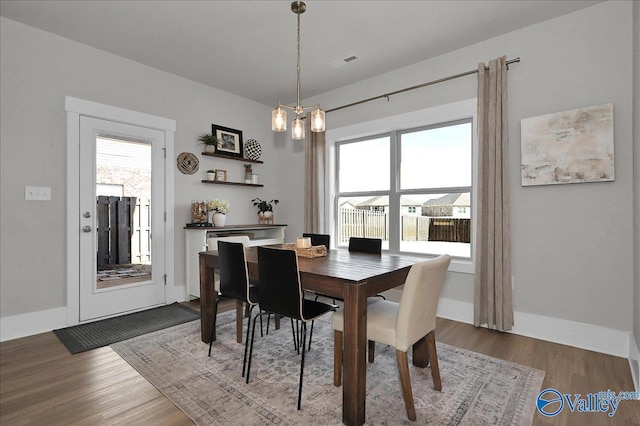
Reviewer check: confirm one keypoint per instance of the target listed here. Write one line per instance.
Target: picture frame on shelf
(221, 175)
(230, 140)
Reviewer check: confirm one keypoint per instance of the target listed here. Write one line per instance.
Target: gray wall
(572, 244)
(38, 70)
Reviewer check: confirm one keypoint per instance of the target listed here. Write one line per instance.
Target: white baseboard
(23, 325)
(634, 361)
(32, 323)
(586, 336)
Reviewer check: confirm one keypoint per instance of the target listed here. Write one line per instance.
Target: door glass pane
(123, 211)
(436, 224)
(363, 217)
(436, 158)
(364, 166)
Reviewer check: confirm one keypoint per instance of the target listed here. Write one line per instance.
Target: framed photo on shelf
(221, 175)
(230, 140)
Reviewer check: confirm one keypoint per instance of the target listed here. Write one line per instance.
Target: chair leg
(433, 358)
(212, 337)
(372, 350)
(253, 333)
(337, 358)
(261, 330)
(405, 382)
(304, 343)
(310, 335)
(246, 339)
(295, 337)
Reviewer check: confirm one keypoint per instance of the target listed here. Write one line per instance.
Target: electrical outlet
(39, 193)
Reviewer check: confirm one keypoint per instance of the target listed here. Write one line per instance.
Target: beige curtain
(314, 173)
(493, 303)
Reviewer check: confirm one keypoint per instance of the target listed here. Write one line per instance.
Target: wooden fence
(123, 230)
(371, 224)
(362, 223)
(423, 228)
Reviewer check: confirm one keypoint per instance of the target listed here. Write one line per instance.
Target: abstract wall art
(568, 147)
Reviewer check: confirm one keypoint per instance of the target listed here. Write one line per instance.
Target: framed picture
(568, 147)
(221, 175)
(230, 140)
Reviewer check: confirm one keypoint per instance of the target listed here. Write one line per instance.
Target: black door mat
(84, 337)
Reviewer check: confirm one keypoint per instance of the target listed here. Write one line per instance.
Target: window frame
(393, 127)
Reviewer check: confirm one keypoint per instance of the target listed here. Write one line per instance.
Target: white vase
(210, 149)
(219, 219)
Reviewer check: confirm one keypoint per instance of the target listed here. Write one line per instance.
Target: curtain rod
(440, 80)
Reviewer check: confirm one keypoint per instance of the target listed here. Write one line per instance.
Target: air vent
(346, 60)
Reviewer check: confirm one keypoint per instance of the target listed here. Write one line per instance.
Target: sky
(432, 158)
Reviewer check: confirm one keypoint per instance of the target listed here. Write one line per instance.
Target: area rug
(84, 337)
(476, 389)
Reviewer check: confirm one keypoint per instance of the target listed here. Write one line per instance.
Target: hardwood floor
(41, 383)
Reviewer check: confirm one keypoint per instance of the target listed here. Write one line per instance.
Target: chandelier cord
(297, 109)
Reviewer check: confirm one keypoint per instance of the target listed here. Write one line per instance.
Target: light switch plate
(39, 193)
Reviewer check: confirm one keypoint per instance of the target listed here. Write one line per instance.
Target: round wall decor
(252, 149)
(188, 163)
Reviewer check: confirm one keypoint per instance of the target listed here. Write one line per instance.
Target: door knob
(86, 228)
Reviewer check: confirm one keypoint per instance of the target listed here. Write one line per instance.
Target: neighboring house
(348, 205)
(408, 207)
(450, 205)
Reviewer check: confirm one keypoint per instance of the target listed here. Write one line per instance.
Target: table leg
(354, 379)
(208, 297)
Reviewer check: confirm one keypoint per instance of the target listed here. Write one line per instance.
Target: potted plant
(209, 141)
(219, 209)
(265, 209)
(211, 175)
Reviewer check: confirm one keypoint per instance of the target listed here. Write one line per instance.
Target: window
(410, 187)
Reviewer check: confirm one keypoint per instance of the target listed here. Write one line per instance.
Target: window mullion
(394, 196)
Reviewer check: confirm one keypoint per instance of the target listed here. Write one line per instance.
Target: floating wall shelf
(230, 157)
(224, 182)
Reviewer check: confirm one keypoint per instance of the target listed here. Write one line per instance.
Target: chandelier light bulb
(317, 120)
(297, 129)
(279, 120)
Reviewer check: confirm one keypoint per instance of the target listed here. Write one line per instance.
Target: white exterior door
(122, 218)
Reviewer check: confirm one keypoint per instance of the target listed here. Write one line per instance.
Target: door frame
(79, 107)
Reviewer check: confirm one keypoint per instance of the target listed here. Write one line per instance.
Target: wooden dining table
(352, 277)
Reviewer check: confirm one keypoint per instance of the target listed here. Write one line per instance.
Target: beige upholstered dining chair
(401, 325)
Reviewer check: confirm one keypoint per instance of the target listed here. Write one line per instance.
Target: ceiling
(248, 48)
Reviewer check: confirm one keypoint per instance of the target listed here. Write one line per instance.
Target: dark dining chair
(319, 239)
(365, 245)
(281, 293)
(234, 284)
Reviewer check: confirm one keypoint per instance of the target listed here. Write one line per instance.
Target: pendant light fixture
(279, 115)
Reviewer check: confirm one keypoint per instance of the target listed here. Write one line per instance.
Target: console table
(196, 241)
